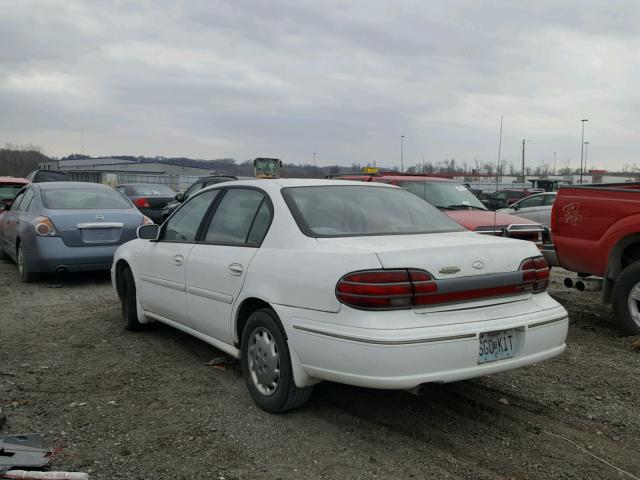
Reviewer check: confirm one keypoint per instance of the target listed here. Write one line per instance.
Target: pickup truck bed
(596, 231)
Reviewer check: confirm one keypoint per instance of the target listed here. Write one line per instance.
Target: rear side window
(240, 218)
(84, 198)
(349, 210)
(152, 190)
(26, 201)
(535, 201)
(16, 202)
(549, 199)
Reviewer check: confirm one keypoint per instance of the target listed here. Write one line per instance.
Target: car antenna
(495, 212)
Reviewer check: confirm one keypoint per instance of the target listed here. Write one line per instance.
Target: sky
(248, 78)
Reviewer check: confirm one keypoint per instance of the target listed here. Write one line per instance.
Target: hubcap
(264, 361)
(633, 301)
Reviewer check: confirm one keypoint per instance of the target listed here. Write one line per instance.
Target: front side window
(549, 199)
(193, 189)
(184, 224)
(240, 218)
(84, 198)
(151, 190)
(349, 210)
(535, 201)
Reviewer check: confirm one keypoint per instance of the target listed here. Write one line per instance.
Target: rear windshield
(447, 195)
(7, 192)
(40, 176)
(349, 210)
(84, 199)
(152, 190)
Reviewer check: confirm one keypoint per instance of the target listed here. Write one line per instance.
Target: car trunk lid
(81, 228)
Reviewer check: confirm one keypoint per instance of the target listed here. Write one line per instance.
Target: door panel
(217, 268)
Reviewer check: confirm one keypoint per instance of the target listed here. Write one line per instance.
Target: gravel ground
(145, 406)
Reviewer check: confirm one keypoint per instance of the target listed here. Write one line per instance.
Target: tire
(24, 275)
(129, 301)
(266, 364)
(625, 300)
(3, 255)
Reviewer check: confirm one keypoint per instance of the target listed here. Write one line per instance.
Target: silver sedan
(66, 226)
(535, 207)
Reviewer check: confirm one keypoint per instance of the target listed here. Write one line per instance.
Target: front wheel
(266, 364)
(129, 301)
(625, 299)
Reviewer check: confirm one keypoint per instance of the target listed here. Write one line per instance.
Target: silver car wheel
(633, 303)
(264, 361)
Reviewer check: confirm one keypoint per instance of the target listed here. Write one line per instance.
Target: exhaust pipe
(568, 282)
(589, 285)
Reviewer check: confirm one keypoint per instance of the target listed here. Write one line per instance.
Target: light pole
(554, 162)
(401, 153)
(586, 151)
(582, 148)
(314, 164)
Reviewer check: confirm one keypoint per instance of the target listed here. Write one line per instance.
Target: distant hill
(20, 161)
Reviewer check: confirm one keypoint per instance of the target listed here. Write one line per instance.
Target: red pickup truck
(596, 233)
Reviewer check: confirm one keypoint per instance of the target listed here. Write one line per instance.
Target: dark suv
(195, 187)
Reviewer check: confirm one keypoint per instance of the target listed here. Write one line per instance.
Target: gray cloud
(241, 79)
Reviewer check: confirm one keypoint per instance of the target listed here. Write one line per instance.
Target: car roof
(58, 185)
(412, 178)
(273, 184)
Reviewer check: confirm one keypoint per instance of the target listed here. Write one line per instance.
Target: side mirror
(179, 197)
(148, 232)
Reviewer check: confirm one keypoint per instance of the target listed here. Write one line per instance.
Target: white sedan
(363, 284)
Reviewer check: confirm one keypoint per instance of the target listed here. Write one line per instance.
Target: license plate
(497, 346)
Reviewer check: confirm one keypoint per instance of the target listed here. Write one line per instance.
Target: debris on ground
(31, 450)
(221, 362)
(503, 401)
(636, 345)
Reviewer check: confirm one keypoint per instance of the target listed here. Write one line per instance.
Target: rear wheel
(129, 301)
(24, 275)
(626, 299)
(3, 255)
(266, 364)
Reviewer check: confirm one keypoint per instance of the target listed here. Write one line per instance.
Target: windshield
(444, 194)
(7, 192)
(349, 210)
(84, 199)
(152, 190)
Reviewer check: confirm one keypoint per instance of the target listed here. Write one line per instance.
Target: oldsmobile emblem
(100, 217)
(449, 270)
(478, 265)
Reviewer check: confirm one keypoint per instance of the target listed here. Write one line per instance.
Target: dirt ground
(145, 406)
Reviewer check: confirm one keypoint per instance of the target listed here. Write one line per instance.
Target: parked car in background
(363, 284)
(9, 188)
(535, 207)
(504, 198)
(193, 189)
(150, 198)
(39, 176)
(461, 205)
(596, 231)
(66, 226)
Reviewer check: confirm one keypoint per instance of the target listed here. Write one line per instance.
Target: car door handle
(178, 260)
(236, 269)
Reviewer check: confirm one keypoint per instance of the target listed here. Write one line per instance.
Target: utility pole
(586, 150)
(401, 154)
(582, 148)
(314, 164)
(523, 180)
(554, 162)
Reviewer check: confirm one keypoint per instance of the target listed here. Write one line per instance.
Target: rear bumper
(50, 254)
(551, 255)
(406, 358)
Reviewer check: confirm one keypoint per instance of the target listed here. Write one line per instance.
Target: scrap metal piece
(30, 450)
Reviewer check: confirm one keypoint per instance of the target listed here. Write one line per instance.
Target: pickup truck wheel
(626, 300)
(266, 364)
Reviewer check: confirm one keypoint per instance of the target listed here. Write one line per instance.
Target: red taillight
(535, 273)
(404, 288)
(142, 203)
